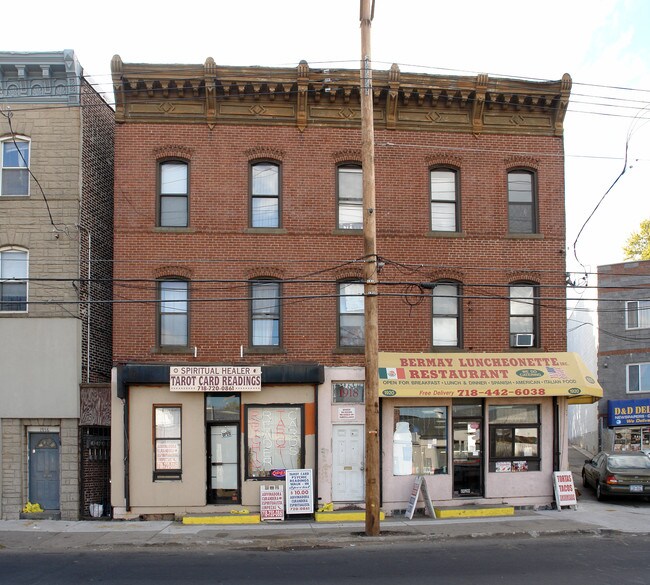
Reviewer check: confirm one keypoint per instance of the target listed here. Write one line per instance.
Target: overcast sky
(602, 44)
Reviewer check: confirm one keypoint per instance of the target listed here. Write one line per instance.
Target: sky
(603, 44)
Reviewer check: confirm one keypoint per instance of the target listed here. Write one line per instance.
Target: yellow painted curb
(225, 519)
(474, 512)
(343, 516)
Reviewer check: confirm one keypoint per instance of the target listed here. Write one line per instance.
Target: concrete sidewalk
(591, 517)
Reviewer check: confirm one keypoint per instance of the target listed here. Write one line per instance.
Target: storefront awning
(486, 375)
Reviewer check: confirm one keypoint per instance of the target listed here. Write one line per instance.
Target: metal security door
(224, 464)
(44, 470)
(347, 464)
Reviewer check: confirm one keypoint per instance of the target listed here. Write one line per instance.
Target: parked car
(625, 473)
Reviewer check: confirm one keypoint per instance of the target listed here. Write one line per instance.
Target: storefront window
(420, 440)
(514, 438)
(167, 440)
(274, 440)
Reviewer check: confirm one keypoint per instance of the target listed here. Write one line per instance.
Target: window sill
(265, 350)
(348, 232)
(265, 230)
(13, 314)
(431, 234)
(14, 197)
(174, 230)
(510, 236)
(175, 350)
(446, 349)
(349, 351)
(524, 349)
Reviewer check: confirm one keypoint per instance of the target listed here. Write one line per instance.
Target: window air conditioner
(523, 340)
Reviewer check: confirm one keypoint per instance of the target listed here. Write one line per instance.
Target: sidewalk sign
(419, 487)
(300, 492)
(565, 493)
(271, 502)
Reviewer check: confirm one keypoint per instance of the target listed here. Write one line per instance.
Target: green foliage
(638, 244)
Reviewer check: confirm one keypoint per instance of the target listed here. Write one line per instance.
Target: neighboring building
(56, 155)
(582, 337)
(239, 254)
(624, 355)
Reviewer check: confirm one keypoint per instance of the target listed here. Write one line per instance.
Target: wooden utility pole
(370, 274)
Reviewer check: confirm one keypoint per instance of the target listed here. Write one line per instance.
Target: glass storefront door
(467, 424)
(222, 413)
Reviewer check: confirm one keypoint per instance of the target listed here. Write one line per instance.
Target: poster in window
(274, 439)
(168, 454)
(503, 467)
(520, 466)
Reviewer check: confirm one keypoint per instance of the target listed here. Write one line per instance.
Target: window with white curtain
(351, 314)
(265, 195)
(173, 313)
(13, 279)
(265, 313)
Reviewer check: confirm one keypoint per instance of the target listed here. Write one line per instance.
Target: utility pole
(370, 274)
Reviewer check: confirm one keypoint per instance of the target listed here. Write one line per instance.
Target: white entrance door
(347, 463)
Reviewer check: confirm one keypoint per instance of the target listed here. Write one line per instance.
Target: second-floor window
(265, 313)
(351, 315)
(446, 314)
(638, 377)
(14, 167)
(524, 329)
(173, 194)
(13, 280)
(522, 202)
(173, 315)
(349, 190)
(637, 314)
(265, 195)
(444, 200)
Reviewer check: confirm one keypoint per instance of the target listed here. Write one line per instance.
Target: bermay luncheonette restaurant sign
(215, 378)
(481, 375)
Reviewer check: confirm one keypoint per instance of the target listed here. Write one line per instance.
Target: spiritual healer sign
(480, 375)
(215, 379)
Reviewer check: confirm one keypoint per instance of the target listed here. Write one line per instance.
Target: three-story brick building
(239, 328)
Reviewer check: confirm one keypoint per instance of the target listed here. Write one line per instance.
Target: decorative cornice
(303, 96)
(40, 77)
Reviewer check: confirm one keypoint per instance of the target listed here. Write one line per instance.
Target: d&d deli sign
(215, 379)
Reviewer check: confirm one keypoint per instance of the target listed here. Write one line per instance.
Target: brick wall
(96, 213)
(218, 246)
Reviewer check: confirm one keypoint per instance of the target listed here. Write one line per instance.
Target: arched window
(445, 200)
(14, 167)
(522, 202)
(265, 313)
(173, 313)
(265, 194)
(524, 315)
(349, 193)
(14, 267)
(351, 320)
(446, 324)
(173, 193)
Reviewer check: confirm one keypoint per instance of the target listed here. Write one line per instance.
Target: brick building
(56, 141)
(239, 255)
(624, 355)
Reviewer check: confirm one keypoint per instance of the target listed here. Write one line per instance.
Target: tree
(638, 244)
